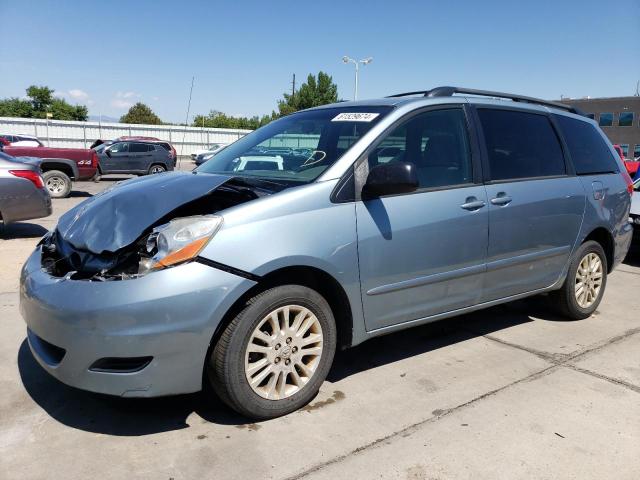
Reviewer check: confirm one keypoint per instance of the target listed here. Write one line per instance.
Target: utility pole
(186, 121)
(638, 88)
(293, 86)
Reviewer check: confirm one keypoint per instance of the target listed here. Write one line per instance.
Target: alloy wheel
(283, 352)
(588, 280)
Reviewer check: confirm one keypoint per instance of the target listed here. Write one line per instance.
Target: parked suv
(137, 157)
(405, 210)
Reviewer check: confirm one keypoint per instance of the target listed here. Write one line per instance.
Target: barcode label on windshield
(354, 117)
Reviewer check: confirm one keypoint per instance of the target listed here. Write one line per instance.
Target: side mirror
(107, 152)
(390, 179)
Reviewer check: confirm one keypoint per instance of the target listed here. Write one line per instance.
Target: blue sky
(243, 53)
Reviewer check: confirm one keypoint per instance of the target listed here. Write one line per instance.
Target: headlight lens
(179, 241)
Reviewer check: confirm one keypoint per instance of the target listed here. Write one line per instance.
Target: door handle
(472, 203)
(501, 199)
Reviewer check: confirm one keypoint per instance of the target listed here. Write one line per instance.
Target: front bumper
(169, 315)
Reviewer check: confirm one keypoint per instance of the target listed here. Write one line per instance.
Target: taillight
(94, 158)
(628, 181)
(30, 175)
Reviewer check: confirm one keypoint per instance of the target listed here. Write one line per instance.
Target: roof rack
(450, 91)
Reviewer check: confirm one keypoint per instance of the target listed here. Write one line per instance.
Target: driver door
(116, 158)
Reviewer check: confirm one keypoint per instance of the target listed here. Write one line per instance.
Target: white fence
(70, 134)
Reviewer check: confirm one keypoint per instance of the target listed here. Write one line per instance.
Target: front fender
(300, 227)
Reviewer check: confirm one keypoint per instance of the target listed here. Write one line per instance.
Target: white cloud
(121, 104)
(78, 94)
(123, 100)
(75, 95)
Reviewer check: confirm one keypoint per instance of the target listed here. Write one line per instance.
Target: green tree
(140, 113)
(315, 92)
(62, 110)
(16, 107)
(216, 119)
(41, 99)
(39, 102)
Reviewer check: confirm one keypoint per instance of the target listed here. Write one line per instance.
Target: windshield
(296, 149)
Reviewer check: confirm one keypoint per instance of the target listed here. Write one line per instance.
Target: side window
(589, 152)
(119, 147)
(520, 145)
(138, 148)
(606, 119)
(625, 119)
(435, 142)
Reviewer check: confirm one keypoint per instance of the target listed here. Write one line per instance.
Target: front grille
(51, 354)
(120, 364)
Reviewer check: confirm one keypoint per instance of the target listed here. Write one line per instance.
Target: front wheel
(274, 355)
(584, 286)
(57, 183)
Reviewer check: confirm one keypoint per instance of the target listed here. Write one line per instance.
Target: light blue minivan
(319, 231)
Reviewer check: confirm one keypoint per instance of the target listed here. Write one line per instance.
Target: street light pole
(364, 61)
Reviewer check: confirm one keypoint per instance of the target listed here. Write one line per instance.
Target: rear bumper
(170, 316)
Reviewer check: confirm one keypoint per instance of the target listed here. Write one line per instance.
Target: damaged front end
(142, 225)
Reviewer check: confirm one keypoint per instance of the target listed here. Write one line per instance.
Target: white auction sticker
(354, 117)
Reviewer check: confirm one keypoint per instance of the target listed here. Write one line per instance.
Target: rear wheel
(584, 286)
(57, 183)
(274, 355)
(157, 169)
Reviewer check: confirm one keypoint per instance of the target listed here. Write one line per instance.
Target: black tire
(57, 183)
(226, 365)
(157, 168)
(565, 298)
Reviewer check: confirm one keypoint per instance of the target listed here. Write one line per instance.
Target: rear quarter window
(520, 145)
(589, 152)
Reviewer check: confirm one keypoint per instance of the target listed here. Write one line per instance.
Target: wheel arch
(312, 277)
(605, 239)
(67, 167)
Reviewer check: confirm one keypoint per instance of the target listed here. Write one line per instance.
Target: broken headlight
(178, 241)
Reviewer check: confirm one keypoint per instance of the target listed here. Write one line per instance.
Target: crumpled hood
(119, 215)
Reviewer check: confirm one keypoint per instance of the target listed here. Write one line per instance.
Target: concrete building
(619, 118)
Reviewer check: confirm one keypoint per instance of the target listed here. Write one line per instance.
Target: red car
(630, 165)
(60, 165)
